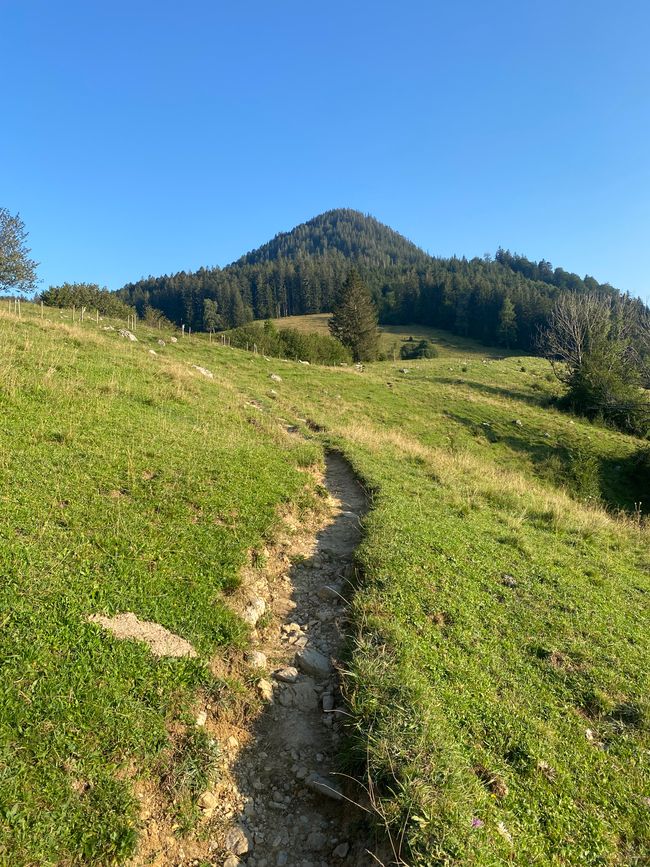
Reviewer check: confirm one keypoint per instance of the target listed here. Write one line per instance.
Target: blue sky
(149, 137)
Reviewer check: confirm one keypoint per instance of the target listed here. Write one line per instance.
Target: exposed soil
(277, 800)
(161, 641)
(293, 807)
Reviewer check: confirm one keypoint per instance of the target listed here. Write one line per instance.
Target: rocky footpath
(288, 805)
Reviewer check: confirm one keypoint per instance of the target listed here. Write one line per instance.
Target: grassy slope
(128, 482)
(505, 724)
(392, 336)
(473, 697)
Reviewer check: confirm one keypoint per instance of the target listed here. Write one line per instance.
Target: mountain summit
(505, 299)
(358, 237)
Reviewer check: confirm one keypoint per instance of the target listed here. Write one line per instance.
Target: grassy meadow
(498, 672)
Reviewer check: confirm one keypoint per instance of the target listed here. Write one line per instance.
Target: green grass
(391, 337)
(131, 482)
(128, 483)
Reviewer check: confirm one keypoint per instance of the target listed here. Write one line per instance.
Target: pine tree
(507, 323)
(211, 318)
(354, 319)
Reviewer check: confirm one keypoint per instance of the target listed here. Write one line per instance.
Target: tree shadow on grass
(618, 482)
(541, 400)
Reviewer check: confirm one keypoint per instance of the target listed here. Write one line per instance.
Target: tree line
(504, 300)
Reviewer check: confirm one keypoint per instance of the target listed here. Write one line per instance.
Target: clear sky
(149, 136)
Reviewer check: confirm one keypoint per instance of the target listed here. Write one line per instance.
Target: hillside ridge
(502, 300)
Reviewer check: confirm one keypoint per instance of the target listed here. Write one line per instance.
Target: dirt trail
(292, 808)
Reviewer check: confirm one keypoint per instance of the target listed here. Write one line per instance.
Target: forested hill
(360, 239)
(498, 300)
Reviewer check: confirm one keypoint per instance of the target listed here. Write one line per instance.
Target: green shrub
(584, 474)
(604, 387)
(422, 349)
(289, 343)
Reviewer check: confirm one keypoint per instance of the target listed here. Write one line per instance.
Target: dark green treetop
(354, 319)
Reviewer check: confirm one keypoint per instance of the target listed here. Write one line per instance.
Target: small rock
(288, 674)
(232, 742)
(265, 689)
(161, 343)
(254, 609)
(203, 371)
(304, 695)
(341, 850)
(316, 841)
(282, 859)
(328, 702)
(323, 786)
(201, 719)
(330, 591)
(518, 422)
(256, 658)
(174, 339)
(124, 332)
(313, 662)
(207, 802)
(231, 861)
(275, 377)
(152, 352)
(508, 581)
(237, 841)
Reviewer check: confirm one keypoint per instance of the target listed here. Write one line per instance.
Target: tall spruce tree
(354, 319)
(507, 323)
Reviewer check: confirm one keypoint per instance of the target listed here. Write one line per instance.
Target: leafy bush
(584, 475)
(422, 349)
(289, 343)
(604, 387)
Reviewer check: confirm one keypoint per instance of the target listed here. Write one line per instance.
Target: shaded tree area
(592, 340)
(502, 300)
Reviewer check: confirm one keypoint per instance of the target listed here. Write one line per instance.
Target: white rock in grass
(124, 332)
(256, 658)
(208, 802)
(265, 689)
(203, 371)
(254, 609)
(173, 339)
